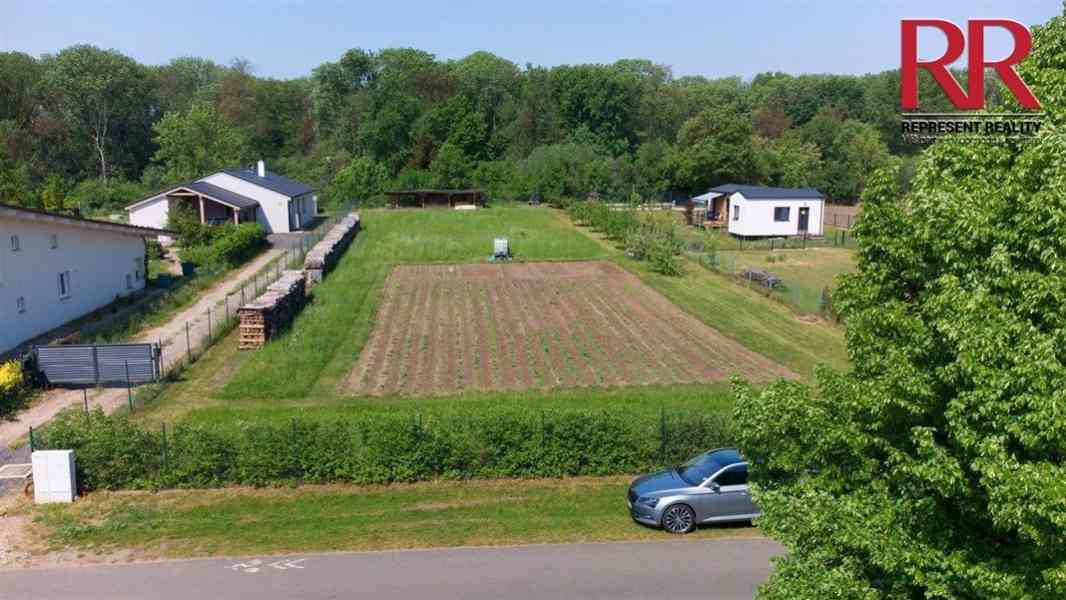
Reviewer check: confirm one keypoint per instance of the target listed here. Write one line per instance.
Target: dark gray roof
(221, 194)
(272, 181)
(756, 192)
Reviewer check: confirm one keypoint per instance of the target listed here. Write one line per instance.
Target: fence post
(804, 240)
(85, 400)
(188, 345)
(129, 388)
(242, 295)
(33, 444)
(208, 324)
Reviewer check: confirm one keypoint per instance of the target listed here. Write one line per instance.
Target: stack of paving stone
(326, 253)
(262, 318)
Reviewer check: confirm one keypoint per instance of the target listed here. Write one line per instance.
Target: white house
(756, 211)
(55, 268)
(245, 195)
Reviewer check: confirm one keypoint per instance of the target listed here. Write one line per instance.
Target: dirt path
(222, 299)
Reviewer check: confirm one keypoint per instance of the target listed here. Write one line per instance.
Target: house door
(805, 217)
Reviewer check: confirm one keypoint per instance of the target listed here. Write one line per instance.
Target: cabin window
(137, 269)
(781, 213)
(15, 243)
(736, 212)
(53, 241)
(129, 281)
(20, 304)
(64, 284)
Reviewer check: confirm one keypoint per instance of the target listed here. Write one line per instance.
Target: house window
(64, 284)
(136, 269)
(736, 212)
(15, 243)
(20, 304)
(53, 241)
(781, 214)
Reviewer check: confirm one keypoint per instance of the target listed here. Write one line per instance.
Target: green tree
(934, 468)
(362, 179)
(451, 167)
(103, 99)
(197, 142)
(714, 147)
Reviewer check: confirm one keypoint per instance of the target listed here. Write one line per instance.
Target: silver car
(710, 488)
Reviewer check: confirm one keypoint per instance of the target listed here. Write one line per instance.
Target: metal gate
(98, 364)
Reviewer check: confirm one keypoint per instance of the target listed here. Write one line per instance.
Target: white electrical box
(500, 248)
(54, 479)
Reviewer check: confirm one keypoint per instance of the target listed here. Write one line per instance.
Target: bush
(228, 245)
(115, 454)
(12, 385)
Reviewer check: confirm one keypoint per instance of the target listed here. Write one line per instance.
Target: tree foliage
(196, 142)
(935, 468)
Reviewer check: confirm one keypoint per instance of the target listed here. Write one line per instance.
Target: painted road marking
(256, 565)
(288, 564)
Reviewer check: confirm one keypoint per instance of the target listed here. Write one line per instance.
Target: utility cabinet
(54, 479)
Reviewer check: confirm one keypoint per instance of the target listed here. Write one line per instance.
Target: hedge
(115, 453)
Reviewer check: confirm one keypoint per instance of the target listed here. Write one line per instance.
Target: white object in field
(53, 476)
(500, 249)
(466, 207)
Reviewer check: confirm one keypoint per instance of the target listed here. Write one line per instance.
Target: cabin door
(804, 219)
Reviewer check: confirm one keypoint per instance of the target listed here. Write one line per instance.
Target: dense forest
(92, 129)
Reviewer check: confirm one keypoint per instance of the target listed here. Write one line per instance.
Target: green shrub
(112, 453)
(228, 246)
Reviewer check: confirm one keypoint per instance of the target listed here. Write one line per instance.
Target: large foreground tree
(935, 468)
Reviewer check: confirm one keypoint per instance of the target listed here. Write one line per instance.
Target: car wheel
(679, 518)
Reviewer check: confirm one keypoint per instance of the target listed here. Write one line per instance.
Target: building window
(736, 212)
(64, 284)
(781, 214)
(15, 243)
(53, 241)
(129, 281)
(20, 304)
(137, 269)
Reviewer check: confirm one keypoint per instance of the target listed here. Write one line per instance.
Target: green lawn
(805, 273)
(242, 521)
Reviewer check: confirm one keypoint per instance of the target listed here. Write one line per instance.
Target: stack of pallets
(326, 253)
(263, 317)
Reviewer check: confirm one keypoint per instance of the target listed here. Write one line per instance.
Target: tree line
(93, 129)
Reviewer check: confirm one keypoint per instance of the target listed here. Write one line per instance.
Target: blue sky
(287, 38)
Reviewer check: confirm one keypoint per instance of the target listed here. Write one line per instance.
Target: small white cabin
(247, 195)
(56, 268)
(756, 211)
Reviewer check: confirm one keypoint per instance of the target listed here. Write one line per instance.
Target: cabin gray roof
(273, 182)
(221, 194)
(757, 192)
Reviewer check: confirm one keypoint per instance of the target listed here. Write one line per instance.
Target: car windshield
(697, 470)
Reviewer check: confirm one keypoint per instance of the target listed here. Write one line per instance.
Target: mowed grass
(805, 272)
(242, 521)
(325, 339)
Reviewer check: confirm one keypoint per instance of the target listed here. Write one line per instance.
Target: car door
(728, 498)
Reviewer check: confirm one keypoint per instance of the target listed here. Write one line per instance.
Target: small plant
(12, 384)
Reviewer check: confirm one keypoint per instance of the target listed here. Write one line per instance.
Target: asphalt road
(715, 570)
